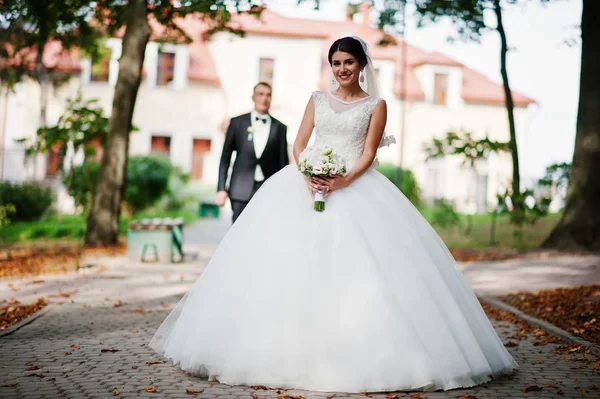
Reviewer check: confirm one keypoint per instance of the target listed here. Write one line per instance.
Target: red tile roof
(477, 88)
(55, 58)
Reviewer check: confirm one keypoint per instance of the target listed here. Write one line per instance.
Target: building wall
(185, 110)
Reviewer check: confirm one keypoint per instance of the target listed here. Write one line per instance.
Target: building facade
(189, 92)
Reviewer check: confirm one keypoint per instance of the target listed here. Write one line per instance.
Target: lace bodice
(342, 125)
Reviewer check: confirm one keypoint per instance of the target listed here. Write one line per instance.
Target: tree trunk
(510, 107)
(103, 219)
(3, 117)
(579, 227)
(40, 75)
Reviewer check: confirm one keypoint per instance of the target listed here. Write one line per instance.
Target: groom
(260, 143)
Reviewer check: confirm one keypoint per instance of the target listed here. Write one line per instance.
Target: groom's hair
(348, 45)
(262, 84)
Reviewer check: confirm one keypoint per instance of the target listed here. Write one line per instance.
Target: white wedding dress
(361, 297)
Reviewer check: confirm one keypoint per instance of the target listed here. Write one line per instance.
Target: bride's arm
(374, 133)
(305, 130)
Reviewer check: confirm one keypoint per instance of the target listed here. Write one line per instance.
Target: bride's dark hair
(348, 45)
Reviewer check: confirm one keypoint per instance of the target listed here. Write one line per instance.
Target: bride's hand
(331, 184)
(313, 187)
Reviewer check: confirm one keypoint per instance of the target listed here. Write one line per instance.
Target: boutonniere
(250, 132)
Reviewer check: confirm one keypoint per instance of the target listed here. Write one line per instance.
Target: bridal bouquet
(320, 162)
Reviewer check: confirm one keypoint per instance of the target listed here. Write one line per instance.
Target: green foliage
(557, 175)
(81, 182)
(404, 179)
(30, 24)
(523, 208)
(443, 215)
(5, 212)
(30, 200)
(464, 146)
(147, 181)
(79, 127)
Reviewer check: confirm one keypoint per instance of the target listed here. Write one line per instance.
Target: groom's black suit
(242, 185)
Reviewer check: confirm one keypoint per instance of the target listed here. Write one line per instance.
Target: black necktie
(258, 118)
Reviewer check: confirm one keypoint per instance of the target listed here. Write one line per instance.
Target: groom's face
(262, 99)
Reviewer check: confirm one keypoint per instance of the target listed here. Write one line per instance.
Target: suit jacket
(273, 159)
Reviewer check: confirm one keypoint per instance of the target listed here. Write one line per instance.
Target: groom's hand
(221, 198)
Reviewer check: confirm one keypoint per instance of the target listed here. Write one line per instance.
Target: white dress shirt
(260, 137)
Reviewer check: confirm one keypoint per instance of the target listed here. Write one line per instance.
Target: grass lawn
(72, 226)
(478, 238)
(479, 235)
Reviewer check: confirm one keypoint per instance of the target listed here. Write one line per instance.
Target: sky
(540, 65)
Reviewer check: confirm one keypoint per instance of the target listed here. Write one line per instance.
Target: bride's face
(346, 69)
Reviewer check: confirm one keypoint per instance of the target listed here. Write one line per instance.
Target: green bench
(155, 240)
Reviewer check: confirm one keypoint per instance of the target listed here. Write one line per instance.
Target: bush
(31, 200)
(147, 180)
(81, 182)
(404, 179)
(443, 215)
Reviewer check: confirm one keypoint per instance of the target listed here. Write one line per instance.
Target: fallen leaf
(332, 396)
(14, 311)
(118, 304)
(194, 391)
(288, 396)
(62, 294)
(155, 362)
(510, 344)
(539, 362)
(151, 389)
(467, 396)
(257, 387)
(13, 288)
(67, 353)
(134, 331)
(109, 350)
(392, 396)
(532, 388)
(9, 385)
(75, 346)
(35, 375)
(31, 368)
(254, 396)
(365, 394)
(116, 392)
(417, 396)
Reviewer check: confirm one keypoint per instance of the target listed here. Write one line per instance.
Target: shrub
(147, 180)
(443, 215)
(81, 182)
(404, 179)
(31, 200)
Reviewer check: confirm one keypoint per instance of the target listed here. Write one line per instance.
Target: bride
(362, 297)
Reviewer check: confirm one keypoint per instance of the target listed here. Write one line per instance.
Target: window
(265, 68)
(160, 145)
(200, 148)
(101, 68)
(440, 90)
(165, 68)
(55, 160)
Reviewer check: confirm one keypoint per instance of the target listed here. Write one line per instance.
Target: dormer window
(165, 68)
(266, 67)
(440, 89)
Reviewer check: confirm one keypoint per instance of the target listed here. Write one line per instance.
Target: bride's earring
(362, 77)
